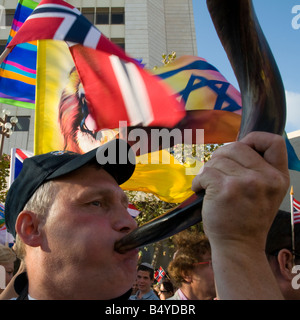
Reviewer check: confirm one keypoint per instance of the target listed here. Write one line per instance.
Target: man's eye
(96, 203)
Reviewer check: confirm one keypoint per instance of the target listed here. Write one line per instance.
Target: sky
(275, 17)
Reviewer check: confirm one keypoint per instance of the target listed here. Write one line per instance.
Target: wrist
(242, 271)
(226, 243)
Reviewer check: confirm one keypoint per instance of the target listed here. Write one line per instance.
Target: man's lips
(130, 253)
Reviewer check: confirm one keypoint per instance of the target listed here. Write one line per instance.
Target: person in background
(10, 292)
(190, 269)
(134, 287)
(7, 259)
(145, 278)
(281, 254)
(166, 289)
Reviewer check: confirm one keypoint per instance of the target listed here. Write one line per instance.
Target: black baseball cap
(116, 157)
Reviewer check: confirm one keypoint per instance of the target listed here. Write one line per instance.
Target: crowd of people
(190, 274)
(67, 211)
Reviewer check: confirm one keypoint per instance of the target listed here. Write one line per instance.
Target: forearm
(242, 273)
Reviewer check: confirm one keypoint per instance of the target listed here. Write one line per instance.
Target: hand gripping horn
(263, 99)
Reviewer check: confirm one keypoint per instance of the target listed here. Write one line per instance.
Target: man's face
(88, 215)
(143, 281)
(9, 271)
(203, 279)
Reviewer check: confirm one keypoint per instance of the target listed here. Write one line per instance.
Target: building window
(2, 45)
(23, 123)
(102, 16)
(117, 16)
(9, 17)
(119, 41)
(89, 13)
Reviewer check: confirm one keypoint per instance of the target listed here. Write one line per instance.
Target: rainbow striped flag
(18, 70)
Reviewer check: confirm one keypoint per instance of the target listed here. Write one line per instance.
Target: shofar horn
(263, 99)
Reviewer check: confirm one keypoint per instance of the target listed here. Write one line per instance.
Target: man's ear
(28, 228)
(186, 275)
(286, 263)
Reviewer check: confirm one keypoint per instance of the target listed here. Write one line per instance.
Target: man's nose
(123, 221)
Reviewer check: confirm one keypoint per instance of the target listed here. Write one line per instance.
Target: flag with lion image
(62, 122)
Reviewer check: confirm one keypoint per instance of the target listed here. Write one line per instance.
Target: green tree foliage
(168, 58)
(4, 173)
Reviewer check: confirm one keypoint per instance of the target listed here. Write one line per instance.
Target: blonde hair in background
(6, 255)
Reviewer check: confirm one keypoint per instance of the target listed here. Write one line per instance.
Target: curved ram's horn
(263, 100)
(262, 91)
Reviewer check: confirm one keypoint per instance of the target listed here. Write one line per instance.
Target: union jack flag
(159, 274)
(16, 162)
(296, 207)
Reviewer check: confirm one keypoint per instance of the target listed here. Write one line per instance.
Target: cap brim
(116, 157)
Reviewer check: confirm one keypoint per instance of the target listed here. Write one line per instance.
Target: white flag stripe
(29, 154)
(296, 214)
(58, 6)
(12, 166)
(64, 27)
(92, 38)
(133, 213)
(141, 93)
(296, 209)
(133, 112)
(296, 205)
(71, 44)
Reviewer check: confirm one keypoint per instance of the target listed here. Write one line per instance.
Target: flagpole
(4, 54)
(292, 222)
